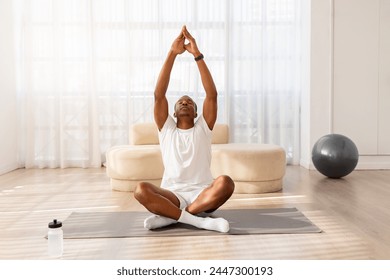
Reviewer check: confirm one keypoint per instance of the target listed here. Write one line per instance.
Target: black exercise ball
(335, 155)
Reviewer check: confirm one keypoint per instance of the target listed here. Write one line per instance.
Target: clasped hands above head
(179, 46)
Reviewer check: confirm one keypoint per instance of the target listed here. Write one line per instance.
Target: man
(188, 193)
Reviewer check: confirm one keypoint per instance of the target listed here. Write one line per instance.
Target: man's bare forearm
(207, 79)
(164, 76)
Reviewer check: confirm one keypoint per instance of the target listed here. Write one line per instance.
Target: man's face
(185, 107)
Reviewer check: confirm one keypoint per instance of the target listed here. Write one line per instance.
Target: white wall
(349, 78)
(316, 110)
(8, 117)
(362, 78)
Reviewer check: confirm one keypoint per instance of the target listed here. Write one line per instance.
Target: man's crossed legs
(168, 209)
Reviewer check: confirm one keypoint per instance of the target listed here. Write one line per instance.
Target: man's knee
(226, 183)
(141, 190)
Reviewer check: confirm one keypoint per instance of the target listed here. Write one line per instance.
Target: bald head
(186, 106)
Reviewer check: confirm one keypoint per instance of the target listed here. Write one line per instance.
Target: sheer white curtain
(87, 71)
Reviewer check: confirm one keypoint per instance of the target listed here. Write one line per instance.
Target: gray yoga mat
(130, 224)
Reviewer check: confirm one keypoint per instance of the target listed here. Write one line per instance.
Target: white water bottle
(55, 239)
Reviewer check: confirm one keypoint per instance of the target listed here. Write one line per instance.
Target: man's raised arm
(160, 100)
(210, 105)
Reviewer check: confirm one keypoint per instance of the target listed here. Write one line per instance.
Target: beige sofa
(255, 168)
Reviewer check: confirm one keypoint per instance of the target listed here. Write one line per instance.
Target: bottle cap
(55, 224)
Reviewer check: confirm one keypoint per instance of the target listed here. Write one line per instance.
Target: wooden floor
(354, 214)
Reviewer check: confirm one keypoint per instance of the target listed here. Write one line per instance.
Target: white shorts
(186, 198)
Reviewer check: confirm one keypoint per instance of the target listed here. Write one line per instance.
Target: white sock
(156, 221)
(216, 224)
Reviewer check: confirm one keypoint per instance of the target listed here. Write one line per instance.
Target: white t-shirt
(186, 155)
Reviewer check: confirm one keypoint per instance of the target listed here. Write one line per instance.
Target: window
(88, 69)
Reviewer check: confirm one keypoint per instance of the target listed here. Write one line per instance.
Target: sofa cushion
(144, 134)
(132, 162)
(147, 134)
(248, 162)
(220, 134)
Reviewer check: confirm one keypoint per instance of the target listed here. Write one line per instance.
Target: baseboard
(373, 162)
(307, 164)
(8, 168)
